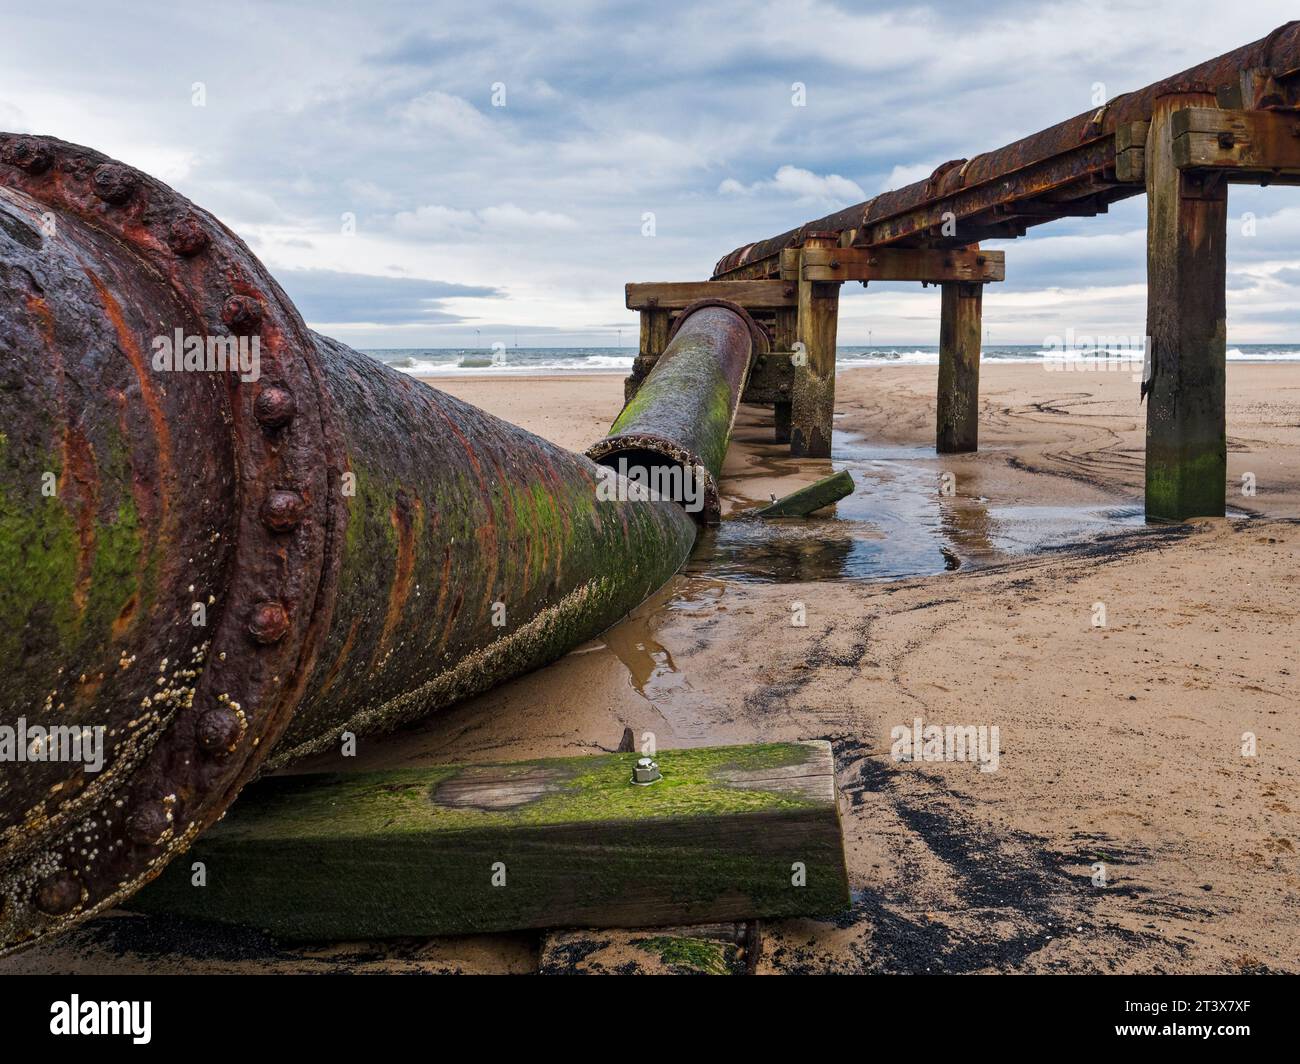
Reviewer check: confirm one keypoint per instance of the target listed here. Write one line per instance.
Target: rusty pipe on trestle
(673, 433)
(1079, 148)
(225, 539)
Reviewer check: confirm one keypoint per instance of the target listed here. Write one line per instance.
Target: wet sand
(1121, 744)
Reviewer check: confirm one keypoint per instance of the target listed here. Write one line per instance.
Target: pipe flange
(102, 844)
(941, 171)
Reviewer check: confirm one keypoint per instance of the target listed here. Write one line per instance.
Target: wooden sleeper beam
(727, 833)
(929, 265)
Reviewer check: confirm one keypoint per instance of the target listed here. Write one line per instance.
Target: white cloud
(508, 216)
(434, 222)
(907, 174)
(448, 115)
(806, 187)
(369, 193)
(438, 222)
(12, 118)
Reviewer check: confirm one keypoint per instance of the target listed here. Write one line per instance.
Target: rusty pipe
(1274, 59)
(673, 433)
(225, 539)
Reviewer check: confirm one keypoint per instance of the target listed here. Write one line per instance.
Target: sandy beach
(1124, 830)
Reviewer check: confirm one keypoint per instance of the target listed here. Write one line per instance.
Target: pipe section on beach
(672, 435)
(226, 540)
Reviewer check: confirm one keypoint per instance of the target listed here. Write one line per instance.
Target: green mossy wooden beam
(728, 833)
(812, 497)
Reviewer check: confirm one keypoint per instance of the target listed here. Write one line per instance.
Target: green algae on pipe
(475, 551)
(673, 433)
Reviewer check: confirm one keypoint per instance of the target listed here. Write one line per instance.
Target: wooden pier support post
(812, 405)
(781, 421)
(655, 326)
(1186, 442)
(785, 332)
(959, 367)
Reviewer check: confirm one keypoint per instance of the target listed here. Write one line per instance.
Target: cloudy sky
(436, 174)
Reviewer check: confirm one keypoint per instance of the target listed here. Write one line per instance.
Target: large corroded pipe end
(157, 602)
(223, 538)
(672, 435)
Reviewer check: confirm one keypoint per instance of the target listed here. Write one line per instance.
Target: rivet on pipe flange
(268, 623)
(218, 730)
(113, 184)
(58, 894)
(282, 511)
(242, 313)
(186, 237)
(147, 824)
(28, 154)
(275, 406)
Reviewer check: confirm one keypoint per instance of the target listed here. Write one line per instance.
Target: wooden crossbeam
(902, 264)
(727, 833)
(674, 295)
(1211, 138)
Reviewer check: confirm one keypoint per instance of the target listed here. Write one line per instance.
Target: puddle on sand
(896, 524)
(650, 666)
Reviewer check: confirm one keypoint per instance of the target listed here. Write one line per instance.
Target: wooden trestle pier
(1182, 141)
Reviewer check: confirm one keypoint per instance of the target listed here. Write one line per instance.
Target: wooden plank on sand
(728, 833)
(811, 497)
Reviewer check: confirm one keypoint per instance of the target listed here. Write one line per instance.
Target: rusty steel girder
(214, 568)
(1043, 176)
(679, 420)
